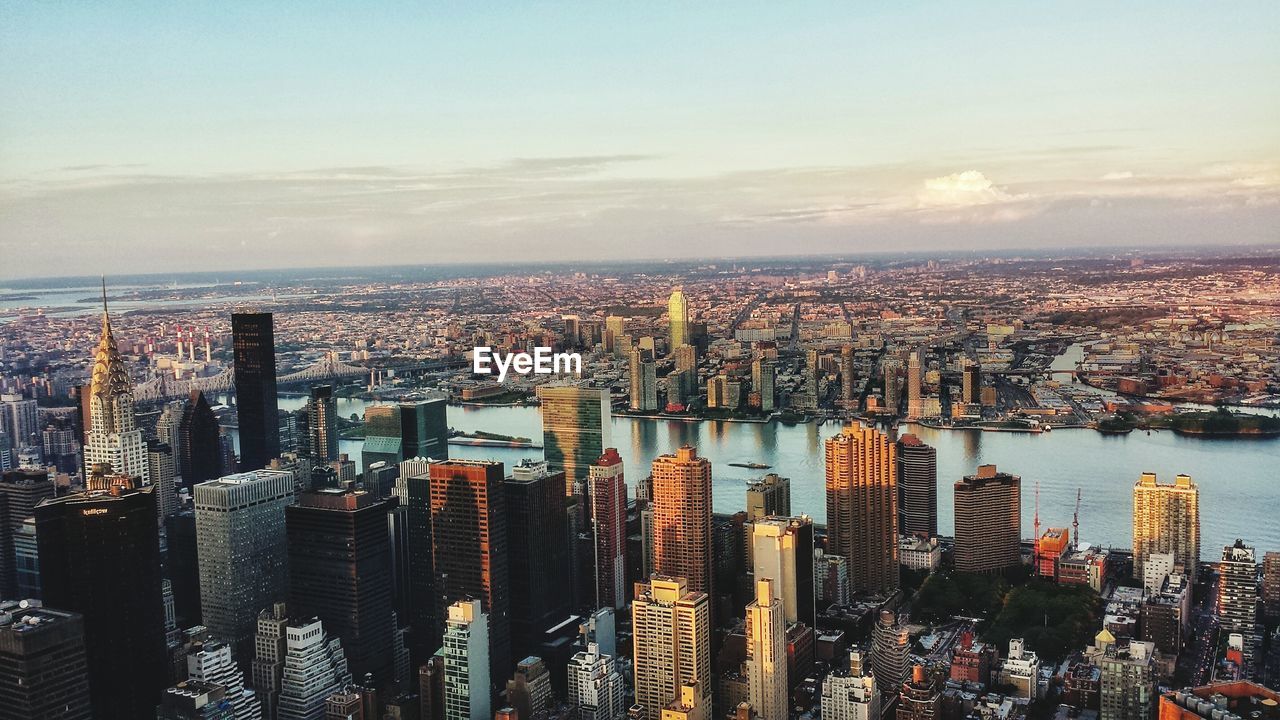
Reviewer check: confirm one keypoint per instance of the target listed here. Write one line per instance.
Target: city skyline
(162, 139)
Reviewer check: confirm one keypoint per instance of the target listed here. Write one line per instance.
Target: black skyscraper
(340, 572)
(426, 627)
(917, 488)
(537, 552)
(322, 424)
(254, 343)
(100, 557)
(201, 445)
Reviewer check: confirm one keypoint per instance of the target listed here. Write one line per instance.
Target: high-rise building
(848, 383)
(424, 605)
(596, 688)
(100, 557)
(340, 572)
(920, 697)
(529, 690)
(468, 522)
(406, 430)
(537, 553)
(607, 491)
(1128, 682)
(467, 682)
(644, 381)
(915, 391)
(311, 668)
(686, 373)
(243, 552)
(20, 492)
(764, 382)
(1237, 602)
(322, 425)
(575, 431)
(1271, 587)
(114, 437)
(194, 700)
(890, 648)
(782, 550)
(212, 662)
(200, 458)
(917, 487)
(616, 341)
(270, 647)
(831, 579)
(42, 663)
(970, 382)
(862, 507)
(768, 496)
(892, 384)
(671, 628)
(682, 518)
(850, 693)
(766, 664)
(163, 469)
(1166, 519)
(678, 315)
(253, 344)
(988, 524)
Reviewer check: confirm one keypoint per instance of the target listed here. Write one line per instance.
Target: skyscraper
(162, 467)
(243, 551)
(42, 663)
(970, 382)
(468, 521)
(114, 437)
(575, 430)
(644, 381)
(782, 550)
(671, 628)
(100, 557)
(211, 661)
(20, 492)
(862, 507)
(1166, 519)
(596, 688)
(322, 424)
(768, 496)
(1237, 601)
(607, 492)
(766, 665)
(917, 487)
(200, 455)
(890, 651)
(682, 518)
(340, 572)
(253, 343)
(686, 373)
(467, 681)
(763, 382)
(537, 553)
(312, 668)
(848, 383)
(1127, 685)
(988, 524)
(678, 315)
(406, 430)
(425, 605)
(1271, 588)
(915, 395)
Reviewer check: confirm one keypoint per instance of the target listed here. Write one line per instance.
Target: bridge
(329, 368)
(166, 387)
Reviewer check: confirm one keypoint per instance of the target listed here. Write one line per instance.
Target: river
(1238, 478)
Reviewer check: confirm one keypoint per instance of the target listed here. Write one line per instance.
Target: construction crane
(1075, 521)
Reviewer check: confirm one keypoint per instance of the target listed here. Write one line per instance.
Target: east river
(1239, 479)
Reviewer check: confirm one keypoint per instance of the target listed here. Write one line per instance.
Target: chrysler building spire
(114, 437)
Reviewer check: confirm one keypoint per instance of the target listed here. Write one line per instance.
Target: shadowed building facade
(862, 507)
(253, 345)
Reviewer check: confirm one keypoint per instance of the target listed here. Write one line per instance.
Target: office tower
(469, 524)
(686, 372)
(850, 693)
(168, 427)
(253, 345)
(529, 690)
(596, 688)
(340, 571)
(988, 523)
(312, 668)
(1237, 600)
(783, 552)
(831, 578)
(970, 382)
(162, 468)
(607, 493)
(671, 627)
(182, 566)
(678, 315)
(862, 507)
(20, 492)
(763, 382)
(575, 430)
(322, 424)
(847, 380)
(1128, 683)
(20, 420)
(890, 647)
(62, 446)
(915, 396)
(766, 665)
(100, 557)
(43, 674)
(114, 437)
(467, 682)
(270, 647)
(1271, 587)
(200, 446)
(892, 373)
(768, 496)
(243, 551)
(537, 552)
(644, 381)
(615, 332)
(920, 697)
(26, 560)
(423, 615)
(1166, 518)
(917, 487)
(682, 518)
(212, 662)
(406, 430)
(194, 700)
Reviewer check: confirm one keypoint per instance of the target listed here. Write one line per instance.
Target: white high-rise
(314, 668)
(211, 662)
(113, 434)
(766, 665)
(595, 686)
(466, 663)
(851, 694)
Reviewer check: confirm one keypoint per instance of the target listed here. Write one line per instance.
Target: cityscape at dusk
(555, 361)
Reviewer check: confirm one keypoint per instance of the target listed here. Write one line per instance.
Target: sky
(161, 136)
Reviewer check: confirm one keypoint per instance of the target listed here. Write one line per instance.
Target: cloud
(1118, 175)
(963, 189)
